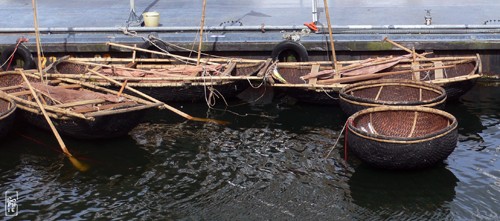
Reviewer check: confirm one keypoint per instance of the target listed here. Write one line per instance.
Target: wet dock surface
(66, 25)
(95, 13)
(235, 28)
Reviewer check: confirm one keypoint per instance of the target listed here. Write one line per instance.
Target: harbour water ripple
(268, 164)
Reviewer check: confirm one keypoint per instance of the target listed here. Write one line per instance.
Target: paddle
(182, 114)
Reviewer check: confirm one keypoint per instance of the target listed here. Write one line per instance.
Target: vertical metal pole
(201, 31)
(132, 6)
(334, 57)
(315, 11)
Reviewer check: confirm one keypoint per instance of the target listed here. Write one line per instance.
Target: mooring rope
(11, 57)
(327, 94)
(8, 59)
(337, 141)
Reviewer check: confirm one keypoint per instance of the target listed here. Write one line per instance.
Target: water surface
(268, 164)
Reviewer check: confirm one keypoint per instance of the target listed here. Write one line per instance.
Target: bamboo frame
(122, 110)
(296, 64)
(105, 107)
(200, 78)
(79, 103)
(47, 118)
(130, 97)
(175, 110)
(376, 75)
(59, 109)
(433, 104)
(435, 101)
(158, 53)
(388, 82)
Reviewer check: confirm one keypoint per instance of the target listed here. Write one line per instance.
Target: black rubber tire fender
(22, 52)
(299, 51)
(149, 46)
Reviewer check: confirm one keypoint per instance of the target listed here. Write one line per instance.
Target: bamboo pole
(37, 37)
(204, 60)
(182, 114)
(201, 78)
(47, 118)
(201, 31)
(93, 86)
(251, 61)
(330, 32)
(403, 47)
(156, 52)
(114, 66)
(121, 89)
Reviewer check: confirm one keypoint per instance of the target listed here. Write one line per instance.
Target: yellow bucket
(151, 19)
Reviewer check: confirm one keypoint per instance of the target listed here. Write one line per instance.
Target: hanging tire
(289, 51)
(153, 47)
(23, 54)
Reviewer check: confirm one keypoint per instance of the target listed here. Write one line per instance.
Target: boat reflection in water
(420, 193)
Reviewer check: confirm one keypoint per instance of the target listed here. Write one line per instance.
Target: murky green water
(267, 165)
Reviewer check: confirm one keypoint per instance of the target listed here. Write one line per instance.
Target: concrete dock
(252, 28)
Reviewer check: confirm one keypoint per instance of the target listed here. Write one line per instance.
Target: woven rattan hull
(455, 90)
(402, 153)
(7, 115)
(321, 97)
(390, 92)
(102, 127)
(191, 93)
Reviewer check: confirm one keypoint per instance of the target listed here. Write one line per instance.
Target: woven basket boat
(77, 109)
(7, 114)
(172, 82)
(391, 92)
(398, 137)
(456, 75)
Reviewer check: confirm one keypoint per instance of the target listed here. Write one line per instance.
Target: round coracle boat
(390, 92)
(398, 137)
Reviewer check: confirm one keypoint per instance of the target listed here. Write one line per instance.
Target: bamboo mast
(79, 165)
(37, 37)
(35, 96)
(201, 31)
(334, 57)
